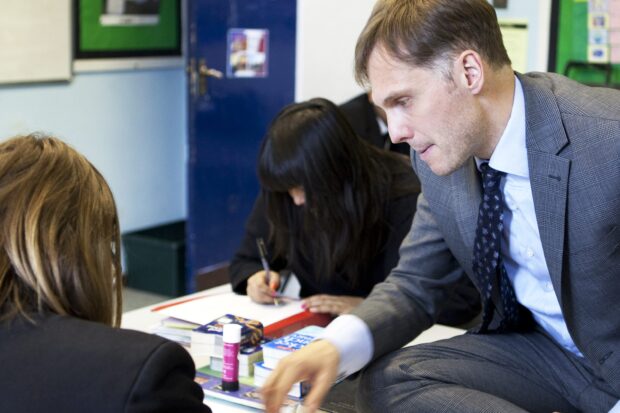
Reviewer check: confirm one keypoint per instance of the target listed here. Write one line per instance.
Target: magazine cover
(246, 395)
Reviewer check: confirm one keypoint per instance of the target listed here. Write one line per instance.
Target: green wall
(572, 43)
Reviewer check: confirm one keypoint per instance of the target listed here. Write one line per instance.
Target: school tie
(497, 293)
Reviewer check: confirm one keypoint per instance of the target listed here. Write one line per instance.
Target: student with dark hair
(60, 296)
(520, 194)
(333, 208)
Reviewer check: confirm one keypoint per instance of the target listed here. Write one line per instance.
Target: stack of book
(274, 351)
(299, 389)
(281, 347)
(175, 330)
(207, 345)
(248, 356)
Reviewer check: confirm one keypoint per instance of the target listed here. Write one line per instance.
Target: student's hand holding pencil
(263, 285)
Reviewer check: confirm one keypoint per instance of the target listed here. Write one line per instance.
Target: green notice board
(572, 44)
(97, 40)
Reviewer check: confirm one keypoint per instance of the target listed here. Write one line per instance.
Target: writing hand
(332, 304)
(258, 289)
(316, 363)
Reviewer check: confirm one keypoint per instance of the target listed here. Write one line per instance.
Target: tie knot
(490, 176)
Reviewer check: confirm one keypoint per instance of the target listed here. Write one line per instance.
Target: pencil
(262, 250)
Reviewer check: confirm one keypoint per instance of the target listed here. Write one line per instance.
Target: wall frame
(569, 46)
(35, 41)
(126, 42)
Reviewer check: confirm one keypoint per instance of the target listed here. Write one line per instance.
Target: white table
(143, 319)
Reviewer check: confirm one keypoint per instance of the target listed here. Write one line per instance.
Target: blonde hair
(59, 233)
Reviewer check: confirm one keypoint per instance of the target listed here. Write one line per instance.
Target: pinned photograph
(598, 21)
(247, 53)
(598, 53)
(598, 36)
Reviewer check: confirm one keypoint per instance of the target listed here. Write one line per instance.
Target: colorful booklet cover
(246, 395)
(274, 350)
(341, 399)
(211, 333)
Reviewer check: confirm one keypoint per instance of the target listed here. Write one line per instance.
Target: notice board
(35, 41)
(570, 45)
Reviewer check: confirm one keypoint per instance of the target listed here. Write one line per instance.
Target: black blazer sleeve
(400, 217)
(166, 384)
(246, 260)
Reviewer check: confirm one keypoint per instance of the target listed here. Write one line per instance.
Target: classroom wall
(538, 16)
(327, 31)
(130, 124)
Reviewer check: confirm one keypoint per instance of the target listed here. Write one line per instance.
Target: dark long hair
(348, 185)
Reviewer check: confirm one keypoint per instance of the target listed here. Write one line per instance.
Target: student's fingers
(332, 304)
(316, 363)
(321, 304)
(258, 290)
(277, 386)
(320, 387)
(274, 281)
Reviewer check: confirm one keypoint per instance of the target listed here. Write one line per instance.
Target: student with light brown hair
(60, 295)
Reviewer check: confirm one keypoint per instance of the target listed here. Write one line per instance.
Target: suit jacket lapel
(467, 192)
(545, 138)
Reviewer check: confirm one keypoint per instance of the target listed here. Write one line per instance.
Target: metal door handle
(203, 73)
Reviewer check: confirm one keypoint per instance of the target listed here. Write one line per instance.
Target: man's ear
(470, 71)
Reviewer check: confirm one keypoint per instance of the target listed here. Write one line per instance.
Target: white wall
(326, 34)
(538, 15)
(327, 31)
(130, 124)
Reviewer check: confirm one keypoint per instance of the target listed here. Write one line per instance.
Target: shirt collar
(510, 154)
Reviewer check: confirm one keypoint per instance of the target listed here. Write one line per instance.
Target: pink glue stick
(230, 372)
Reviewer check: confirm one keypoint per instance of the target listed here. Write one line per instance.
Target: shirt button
(529, 252)
(548, 286)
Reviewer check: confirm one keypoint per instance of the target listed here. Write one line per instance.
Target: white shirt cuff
(352, 338)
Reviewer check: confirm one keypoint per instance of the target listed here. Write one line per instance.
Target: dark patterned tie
(488, 266)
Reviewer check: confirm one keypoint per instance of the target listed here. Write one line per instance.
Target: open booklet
(247, 395)
(340, 399)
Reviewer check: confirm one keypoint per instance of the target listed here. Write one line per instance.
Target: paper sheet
(211, 306)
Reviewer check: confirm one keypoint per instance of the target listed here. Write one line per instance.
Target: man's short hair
(425, 33)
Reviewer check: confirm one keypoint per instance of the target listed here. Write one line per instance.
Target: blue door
(242, 72)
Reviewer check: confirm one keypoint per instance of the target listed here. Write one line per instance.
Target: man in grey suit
(537, 232)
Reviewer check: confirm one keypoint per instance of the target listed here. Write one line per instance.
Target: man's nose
(398, 132)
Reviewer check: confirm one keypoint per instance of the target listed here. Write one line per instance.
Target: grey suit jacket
(573, 146)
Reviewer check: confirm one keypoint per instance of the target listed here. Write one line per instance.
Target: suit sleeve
(166, 383)
(426, 283)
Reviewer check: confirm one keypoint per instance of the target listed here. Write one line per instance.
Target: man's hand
(316, 363)
(260, 289)
(332, 304)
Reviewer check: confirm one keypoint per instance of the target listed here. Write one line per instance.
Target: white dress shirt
(522, 249)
